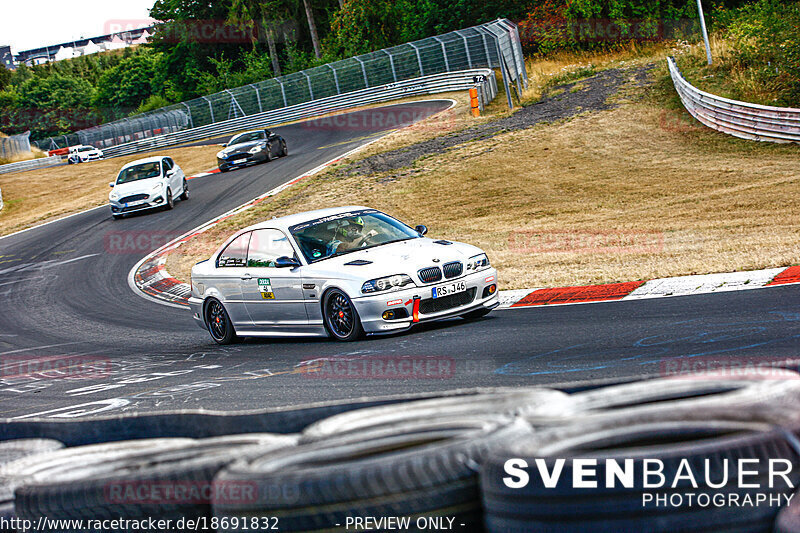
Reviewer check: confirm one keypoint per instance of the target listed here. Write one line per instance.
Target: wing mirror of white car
(422, 230)
(286, 262)
(111, 184)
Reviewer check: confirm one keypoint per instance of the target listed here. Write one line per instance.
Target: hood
(135, 187)
(241, 147)
(405, 257)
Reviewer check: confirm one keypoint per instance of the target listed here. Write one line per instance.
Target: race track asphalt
(64, 297)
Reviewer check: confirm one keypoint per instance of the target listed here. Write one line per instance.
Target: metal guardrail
(740, 119)
(437, 83)
(42, 162)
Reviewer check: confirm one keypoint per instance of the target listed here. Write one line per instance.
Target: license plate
(447, 290)
(134, 204)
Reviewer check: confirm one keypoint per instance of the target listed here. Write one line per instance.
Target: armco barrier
(31, 164)
(740, 119)
(437, 83)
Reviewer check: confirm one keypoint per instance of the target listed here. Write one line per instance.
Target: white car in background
(83, 154)
(147, 184)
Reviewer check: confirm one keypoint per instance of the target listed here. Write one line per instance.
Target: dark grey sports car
(251, 147)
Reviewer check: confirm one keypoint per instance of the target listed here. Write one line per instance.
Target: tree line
(253, 40)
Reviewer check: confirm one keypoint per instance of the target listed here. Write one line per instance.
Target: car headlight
(478, 262)
(220, 155)
(156, 187)
(113, 196)
(256, 149)
(388, 283)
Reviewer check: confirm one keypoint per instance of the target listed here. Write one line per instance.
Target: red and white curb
(655, 288)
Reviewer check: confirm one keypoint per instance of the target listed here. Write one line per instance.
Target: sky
(25, 26)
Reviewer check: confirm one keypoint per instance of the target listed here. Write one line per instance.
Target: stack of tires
(443, 462)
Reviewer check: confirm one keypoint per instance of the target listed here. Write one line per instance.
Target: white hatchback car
(83, 154)
(147, 184)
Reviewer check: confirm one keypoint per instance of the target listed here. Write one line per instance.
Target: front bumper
(371, 308)
(196, 306)
(251, 159)
(152, 202)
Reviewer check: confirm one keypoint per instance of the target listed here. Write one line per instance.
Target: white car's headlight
(220, 155)
(388, 283)
(156, 187)
(256, 149)
(478, 262)
(113, 196)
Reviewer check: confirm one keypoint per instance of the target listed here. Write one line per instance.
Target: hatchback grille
(431, 274)
(436, 305)
(134, 198)
(453, 270)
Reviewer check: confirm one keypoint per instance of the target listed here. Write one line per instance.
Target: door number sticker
(265, 287)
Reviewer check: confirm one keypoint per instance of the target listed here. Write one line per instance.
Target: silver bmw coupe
(339, 272)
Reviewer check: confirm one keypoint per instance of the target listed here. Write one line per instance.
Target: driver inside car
(350, 235)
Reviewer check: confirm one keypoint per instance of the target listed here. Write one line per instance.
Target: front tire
(170, 200)
(219, 323)
(268, 155)
(185, 194)
(284, 149)
(340, 316)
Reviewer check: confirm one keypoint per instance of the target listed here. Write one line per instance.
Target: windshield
(86, 149)
(247, 137)
(348, 232)
(140, 172)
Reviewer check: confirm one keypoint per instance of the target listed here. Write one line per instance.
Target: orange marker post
(473, 100)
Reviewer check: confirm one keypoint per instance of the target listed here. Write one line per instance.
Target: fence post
(466, 48)
(191, 122)
(391, 63)
(234, 106)
(419, 58)
(363, 71)
(308, 79)
(1, 199)
(705, 31)
(210, 109)
(335, 79)
(486, 49)
(258, 97)
(444, 53)
(283, 92)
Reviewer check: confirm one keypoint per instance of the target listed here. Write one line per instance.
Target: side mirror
(422, 230)
(286, 262)
(111, 184)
